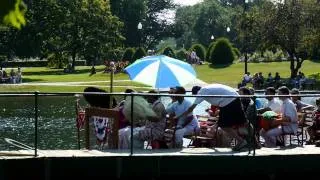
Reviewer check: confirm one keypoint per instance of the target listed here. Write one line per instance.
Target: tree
(183, 27)
(312, 32)
(80, 28)
(288, 26)
(155, 27)
(148, 12)
(100, 30)
(196, 24)
(130, 12)
(213, 19)
(12, 13)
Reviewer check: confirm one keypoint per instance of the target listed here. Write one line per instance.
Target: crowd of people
(117, 66)
(14, 77)
(235, 117)
(258, 81)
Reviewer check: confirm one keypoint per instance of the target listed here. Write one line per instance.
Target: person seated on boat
(312, 130)
(258, 102)
(213, 111)
(142, 111)
(248, 104)
(297, 101)
(186, 125)
(154, 128)
(173, 99)
(250, 112)
(273, 103)
(219, 136)
(286, 123)
(209, 128)
(98, 100)
(123, 122)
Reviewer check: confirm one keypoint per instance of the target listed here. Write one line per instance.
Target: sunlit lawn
(230, 75)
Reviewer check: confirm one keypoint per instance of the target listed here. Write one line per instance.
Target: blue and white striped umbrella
(161, 71)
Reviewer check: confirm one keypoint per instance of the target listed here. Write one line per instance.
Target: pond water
(57, 127)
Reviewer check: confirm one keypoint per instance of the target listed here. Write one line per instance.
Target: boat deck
(189, 162)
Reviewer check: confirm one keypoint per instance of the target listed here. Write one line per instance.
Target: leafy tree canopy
(12, 13)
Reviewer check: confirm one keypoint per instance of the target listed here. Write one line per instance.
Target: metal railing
(37, 94)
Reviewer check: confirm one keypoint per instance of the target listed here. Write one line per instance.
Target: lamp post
(245, 2)
(139, 29)
(228, 29)
(212, 37)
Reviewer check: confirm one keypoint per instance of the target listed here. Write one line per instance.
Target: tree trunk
(73, 59)
(291, 57)
(294, 67)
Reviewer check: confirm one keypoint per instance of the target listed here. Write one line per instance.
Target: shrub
(140, 53)
(181, 54)
(128, 55)
(35, 63)
(168, 51)
(211, 45)
(200, 51)
(115, 54)
(57, 60)
(279, 55)
(222, 52)
(236, 52)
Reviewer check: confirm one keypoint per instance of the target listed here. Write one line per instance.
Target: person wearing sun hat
(231, 115)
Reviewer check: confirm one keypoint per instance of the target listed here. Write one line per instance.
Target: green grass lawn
(230, 75)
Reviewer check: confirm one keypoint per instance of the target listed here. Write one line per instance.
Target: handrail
(15, 94)
(37, 94)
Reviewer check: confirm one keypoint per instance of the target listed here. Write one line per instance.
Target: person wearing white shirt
(231, 114)
(185, 125)
(273, 103)
(287, 124)
(247, 78)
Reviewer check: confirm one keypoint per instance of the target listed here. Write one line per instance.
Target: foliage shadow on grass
(315, 60)
(59, 72)
(219, 66)
(27, 80)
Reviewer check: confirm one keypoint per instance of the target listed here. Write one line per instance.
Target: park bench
(5, 80)
(309, 84)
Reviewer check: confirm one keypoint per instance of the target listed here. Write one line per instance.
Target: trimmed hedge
(128, 55)
(210, 48)
(140, 53)
(168, 51)
(181, 54)
(43, 63)
(200, 51)
(222, 52)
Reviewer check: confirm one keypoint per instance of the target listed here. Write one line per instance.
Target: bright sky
(187, 2)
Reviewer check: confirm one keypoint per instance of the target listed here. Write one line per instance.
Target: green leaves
(12, 13)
